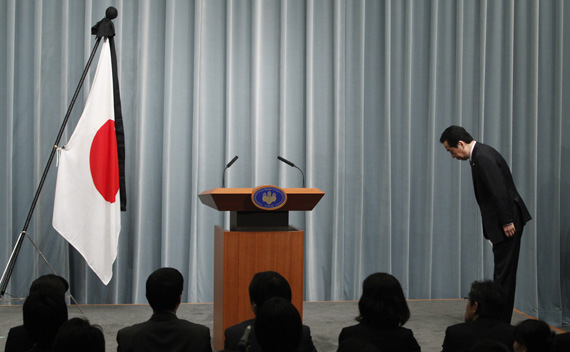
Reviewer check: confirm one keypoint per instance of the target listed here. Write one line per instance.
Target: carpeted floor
(428, 321)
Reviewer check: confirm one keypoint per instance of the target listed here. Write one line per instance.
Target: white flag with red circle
(87, 202)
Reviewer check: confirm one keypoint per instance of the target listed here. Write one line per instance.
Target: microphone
(224, 173)
(293, 165)
(243, 343)
(286, 161)
(232, 161)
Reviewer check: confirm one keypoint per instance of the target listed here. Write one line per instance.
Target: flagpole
(16, 250)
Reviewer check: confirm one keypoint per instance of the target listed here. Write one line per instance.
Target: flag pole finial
(111, 13)
(105, 27)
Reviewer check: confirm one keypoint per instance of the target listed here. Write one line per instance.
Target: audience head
(44, 313)
(489, 346)
(382, 302)
(486, 300)
(356, 345)
(164, 289)
(278, 326)
(50, 282)
(267, 284)
(454, 134)
(77, 334)
(533, 336)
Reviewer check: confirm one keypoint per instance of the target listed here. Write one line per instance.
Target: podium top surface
(239, 199)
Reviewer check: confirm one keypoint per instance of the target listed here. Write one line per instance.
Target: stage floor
(429, 319)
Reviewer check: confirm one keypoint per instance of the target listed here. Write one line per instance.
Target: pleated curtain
(354, 92)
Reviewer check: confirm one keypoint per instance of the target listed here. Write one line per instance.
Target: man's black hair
(163, 289)
(454, 134)
(382, 302)
(50, 282)
(490, 298)
(535, 335)
(267, 284)
(78, 334)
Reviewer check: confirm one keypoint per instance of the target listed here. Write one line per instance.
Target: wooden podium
(258, 240)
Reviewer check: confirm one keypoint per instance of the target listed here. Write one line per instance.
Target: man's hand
(509, 230)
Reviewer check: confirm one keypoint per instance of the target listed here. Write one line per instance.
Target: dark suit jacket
(164, 332)
(461, 337)
(397, 339)
(234, 333)
(18, 340)
(562, 342)
(496, 194)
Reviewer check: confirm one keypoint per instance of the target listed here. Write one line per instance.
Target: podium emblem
(268, 197)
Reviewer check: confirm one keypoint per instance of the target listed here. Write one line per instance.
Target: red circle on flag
(104, 161)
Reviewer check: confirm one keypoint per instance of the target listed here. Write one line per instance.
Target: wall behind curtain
(354, 92)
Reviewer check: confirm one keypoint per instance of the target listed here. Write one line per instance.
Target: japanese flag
(87, 202)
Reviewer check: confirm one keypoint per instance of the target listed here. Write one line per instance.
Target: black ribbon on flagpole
(103, 28)
(106, 28)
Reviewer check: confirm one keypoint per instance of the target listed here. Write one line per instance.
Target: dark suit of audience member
(278, 325)
(533, 336)
(383, 312)
(78, 334)
(489, 346)
(355, 345)
(483, 314)
(18, 337)
(164, 331)
(562, 342)
(263, 286)
(18, 340)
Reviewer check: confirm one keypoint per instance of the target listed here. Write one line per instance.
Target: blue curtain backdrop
(354, 92)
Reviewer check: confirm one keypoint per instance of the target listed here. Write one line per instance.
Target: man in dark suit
(482, 320)
(264, 286)
(164, 331)
(503, 211)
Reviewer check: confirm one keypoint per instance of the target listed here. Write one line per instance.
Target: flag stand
(20, 239)
(110, 14)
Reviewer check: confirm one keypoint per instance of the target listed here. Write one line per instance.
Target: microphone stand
(224, 173)
(244, 344)
(293, 165)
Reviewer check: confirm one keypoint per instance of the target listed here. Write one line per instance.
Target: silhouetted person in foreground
(164, 331)
(383, 312)
(78, 334)
(278, 326)
(18, 337)
(263, 286)
(44, 313)
(533, 336)
(483, 314)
